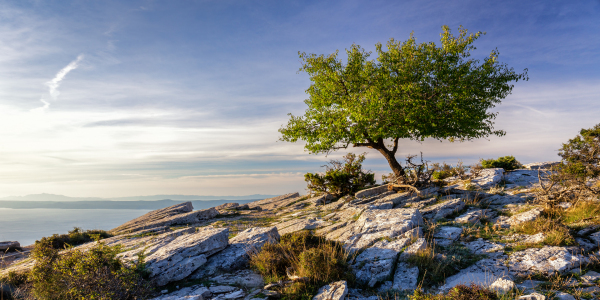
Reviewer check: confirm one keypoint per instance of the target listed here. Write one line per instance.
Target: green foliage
(75, 237)
(581, 155)
(341, 177)
(302, 254)
(459, 292)
(443, 171)
(410, 91)
(93, 274)
(508, 163)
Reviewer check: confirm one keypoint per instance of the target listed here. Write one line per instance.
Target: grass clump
(582, 211)
(443, 171)
(75, 237)
(556, 233)
(76, 274)
(312, 260)
(459, 292)
(508, 163)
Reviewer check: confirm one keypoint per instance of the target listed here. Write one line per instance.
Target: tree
(411, 91)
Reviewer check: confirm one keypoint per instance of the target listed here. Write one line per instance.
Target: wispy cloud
(55, 82)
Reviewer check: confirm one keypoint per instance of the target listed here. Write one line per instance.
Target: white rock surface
(595, 238)
(533, 296)
(197, 292)
(547, 260)
(563, 296)
(585, 244)
(374, 224)
(502, 285)
(484, 273)
(449, 233)
(418, 245)
(488, 178)
(333, 291)
(517, 219)
(541, 165)
(441, 210)
(591, 277)
(405, 277)
(376, 263)
(372, 191)
(473, 217)
(482, 246)
(185, 254)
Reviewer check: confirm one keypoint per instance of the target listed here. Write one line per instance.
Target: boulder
(242, 278)
(372, 191)
(585, 244)
(502, 285)
(154, 216)
(563, 296)
(488, 178)
(406, 277)
(547, 260)
(375, 264)
(441, 210)
(185, 254)
(236, 255)
(418, 245)
(9, 245)
(333, 291)
(321, 199)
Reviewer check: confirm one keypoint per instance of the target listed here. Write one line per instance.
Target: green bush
(341, 177)
(443, 171)
(93, 274)
(508, 163)
(303, 254)
(581, 155)
(75, 237)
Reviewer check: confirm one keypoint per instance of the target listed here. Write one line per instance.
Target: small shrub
(305, 255)
(459, 292)
(556, 233)
(443, 171)
(75, 237)
(93, 274)
(341, 177)
(507, 163)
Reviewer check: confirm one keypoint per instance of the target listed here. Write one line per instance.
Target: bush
(443, 171)
(341, 177)
(508, 163)
(307, 256)
(75, 237)
(93, 274)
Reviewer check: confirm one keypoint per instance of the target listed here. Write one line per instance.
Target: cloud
(55, 83)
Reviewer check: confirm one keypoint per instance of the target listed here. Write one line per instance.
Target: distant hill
(61, 198)
(107, 204)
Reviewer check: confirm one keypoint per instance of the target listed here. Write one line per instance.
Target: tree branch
(395, 146)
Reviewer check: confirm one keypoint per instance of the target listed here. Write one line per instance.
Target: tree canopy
(410, 91)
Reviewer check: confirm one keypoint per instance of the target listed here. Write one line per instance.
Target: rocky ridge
(382, 227)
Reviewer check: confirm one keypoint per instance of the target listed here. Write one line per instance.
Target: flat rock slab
(197, 292)
(541, 165)
(244, 278)
(333, 291)
(405, 277)
(374, 224)
(371, 192)
(548, 260)
(153, 216)
(9, 245)
(484, 273)
(188, 218)
(488, 178)
(274, 202)
(442, 210)
(473, 217)
(447, 235)
(375, 264)
(530, 215)
(185, 254)
(236, 255)
(306, 224)
(595, 238)
(484, 247)
(591, 277)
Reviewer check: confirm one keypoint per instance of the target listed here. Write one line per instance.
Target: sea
(28, 225)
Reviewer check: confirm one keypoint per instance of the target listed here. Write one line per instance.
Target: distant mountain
(61, 198)
(108, 204)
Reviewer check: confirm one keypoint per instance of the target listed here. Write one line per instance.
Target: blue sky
(124, 98)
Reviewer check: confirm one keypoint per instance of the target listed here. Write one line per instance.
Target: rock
(585, 245)
(529, 285)
(418, 245)
(449, 233)
(197, 292)
(502, 285)
(517, 219)
(303, 224)
(498, 201)
(374, 224)
(565, 205)
(414, 233)
(488, 178)
(372, 191)
(441, 210)
(541, 165)
(333, 291)
(272, 294)
(243, 207)
(321, 200)
(590, 277)
(473, 217)
(180, 219)
(275, 202)
(484, 247)
(532, 239)
(547, 260)
(420, 204)
(405, 278)
(563, 296)
(185, 254)
(484, 273)
(595, 238)
(533, 296)
(382, 205)
(524, 178)
(154, 216)
(591, 290)
(376, 263)
(588, 230)
(236, 255)
(221, 289)
(227, 206)
(234, 295)
(9, 246)
(242, 278)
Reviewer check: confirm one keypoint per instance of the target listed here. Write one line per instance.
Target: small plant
(459, 292)
(75, 237)
(93, 274)
(341, 177)
(312, 260)
(508, 163)
(443, 171)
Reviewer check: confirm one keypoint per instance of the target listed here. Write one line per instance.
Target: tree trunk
(394, 164)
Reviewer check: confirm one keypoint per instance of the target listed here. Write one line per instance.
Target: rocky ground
(471, 226)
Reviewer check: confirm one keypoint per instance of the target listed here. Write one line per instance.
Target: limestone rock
(547, 260)
(447, 235)
(414, 233)
(484, 273)
(405, 278)
(418, 245)
(275, 202)
(227, 206)
(525, 178)
(185, 254)
(333, 291)
(376, 263)
(473, 217)
(154, 216)
(591, 277)
(533, 296)
(541, 165)
(595, 238)
(321, 199)
(517, 219)
(502, 285)
(488, 178)
(441, 210)
(197, 292)
(585, 244)
(588, 230)
(372, 191)
(484, 247)
(305, 224)
(563, 296)
(374, 224)
(9, 245)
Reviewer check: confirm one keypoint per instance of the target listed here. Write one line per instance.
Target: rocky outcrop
(275, 202)
(333, 291)
(185, 254)
(547, 260)
(9, 246)
(541, 165)
(447, 235)
(154, 216)
(517, 219)
(488, 178)
(444, 209)
(375, 264)
(372, 191)
(405, 277)
(483, 273)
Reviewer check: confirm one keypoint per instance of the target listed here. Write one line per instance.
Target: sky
(128, 98)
